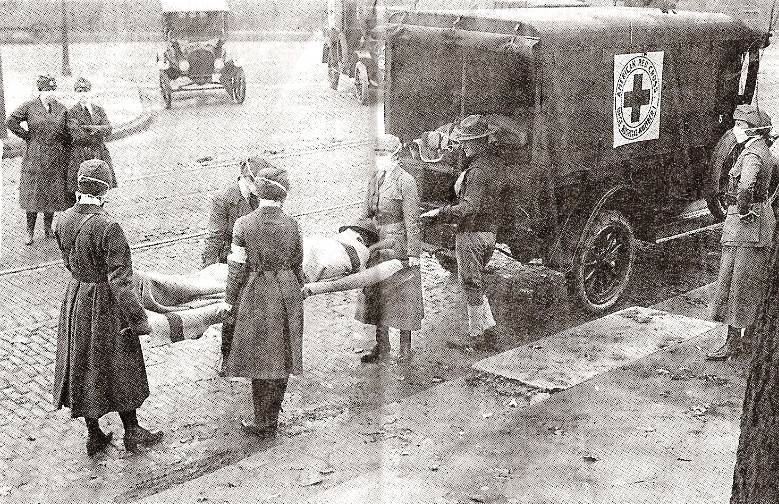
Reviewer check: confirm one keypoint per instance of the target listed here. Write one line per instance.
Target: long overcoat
(746, 243)
(392, 201)
(98, 369)
(266, 287)
(88, 131)
(42, 178)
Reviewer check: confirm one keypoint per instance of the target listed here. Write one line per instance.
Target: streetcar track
(144, 245)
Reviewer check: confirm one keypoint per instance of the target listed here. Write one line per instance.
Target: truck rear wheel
(601, 269)
(722, 159)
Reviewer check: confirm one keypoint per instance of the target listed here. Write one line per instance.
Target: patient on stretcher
(184, 306)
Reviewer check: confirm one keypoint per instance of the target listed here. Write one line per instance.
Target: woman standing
(88, 127)
(393, 203)
(748, 232)
(44, 166)
(265, 280)
(100, 365)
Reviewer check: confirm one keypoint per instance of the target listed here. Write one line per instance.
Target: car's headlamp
(219, 64)
(184, 65)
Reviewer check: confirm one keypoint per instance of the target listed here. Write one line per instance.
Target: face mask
(47, 96)
(85, 97)
(740, 134)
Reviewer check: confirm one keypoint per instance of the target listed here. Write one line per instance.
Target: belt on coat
(730, 199)
(353, 257)
(260, 269)
(93, 280)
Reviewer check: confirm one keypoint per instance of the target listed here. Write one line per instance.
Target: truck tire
(602, 267)
(722, 159)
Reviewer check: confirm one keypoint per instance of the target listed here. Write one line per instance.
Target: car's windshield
(196, 25)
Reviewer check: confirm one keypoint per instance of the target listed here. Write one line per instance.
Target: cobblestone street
(167, 175)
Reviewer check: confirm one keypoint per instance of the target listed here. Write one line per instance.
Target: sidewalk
(120, 98)
(661, 429)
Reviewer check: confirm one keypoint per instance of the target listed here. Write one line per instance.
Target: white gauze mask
(740, 134)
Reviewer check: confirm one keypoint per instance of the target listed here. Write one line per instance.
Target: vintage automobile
(195, 57)
(613, 123)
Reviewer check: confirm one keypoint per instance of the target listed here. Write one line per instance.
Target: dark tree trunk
(756, 477)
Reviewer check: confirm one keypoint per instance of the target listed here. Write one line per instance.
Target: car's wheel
(333, 72)
(238, 86)
(601, 269)
(166, 90)
(722, 159)
(363, 91)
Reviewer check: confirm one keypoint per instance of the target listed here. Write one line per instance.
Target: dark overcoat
(98, 369)
(88, 131)
(226, 207)
(268, 340)
(42, 178)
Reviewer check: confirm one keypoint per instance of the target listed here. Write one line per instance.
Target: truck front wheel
(363, 90)
(602, 267)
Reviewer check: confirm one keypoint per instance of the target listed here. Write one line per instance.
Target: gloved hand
(305, 291)
(413, 262)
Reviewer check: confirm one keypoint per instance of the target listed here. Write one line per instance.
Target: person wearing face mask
(479, 189)
(747, 233)
(42, 178)
(88, 127)
(392, 202)
(228, 205)
(99, 366)
(264, 283)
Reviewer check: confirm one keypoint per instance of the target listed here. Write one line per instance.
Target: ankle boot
(97, 442)
(138, 436)
(382, 347)
(405, 345)
(731, 348)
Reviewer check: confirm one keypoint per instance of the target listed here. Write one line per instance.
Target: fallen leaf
(437, 379)
(487, 415)
(536, 347)
(5, 491)
(476, 498)
(310, 478)
(405, 453)
(358, 350)
(326, 470)
(663, 372)
(646, 429)
(684, 459)
(590, 458)
(435, 466)
(513, 403)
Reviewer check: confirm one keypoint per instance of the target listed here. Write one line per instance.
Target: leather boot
(98, 442)
(267, 396)
(382, 347)
(731, 348)
(138, 436)
(405, 345)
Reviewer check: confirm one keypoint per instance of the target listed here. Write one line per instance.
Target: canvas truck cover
(194, 6)
(606, 85)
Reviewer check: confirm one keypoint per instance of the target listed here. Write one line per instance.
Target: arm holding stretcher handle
(358, 280)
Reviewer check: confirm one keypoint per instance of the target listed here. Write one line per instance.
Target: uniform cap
(82, 84)
(96, 171)
(753, 116)
(470, 128)
(272, 183)
(46, 83)
(255, 164)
